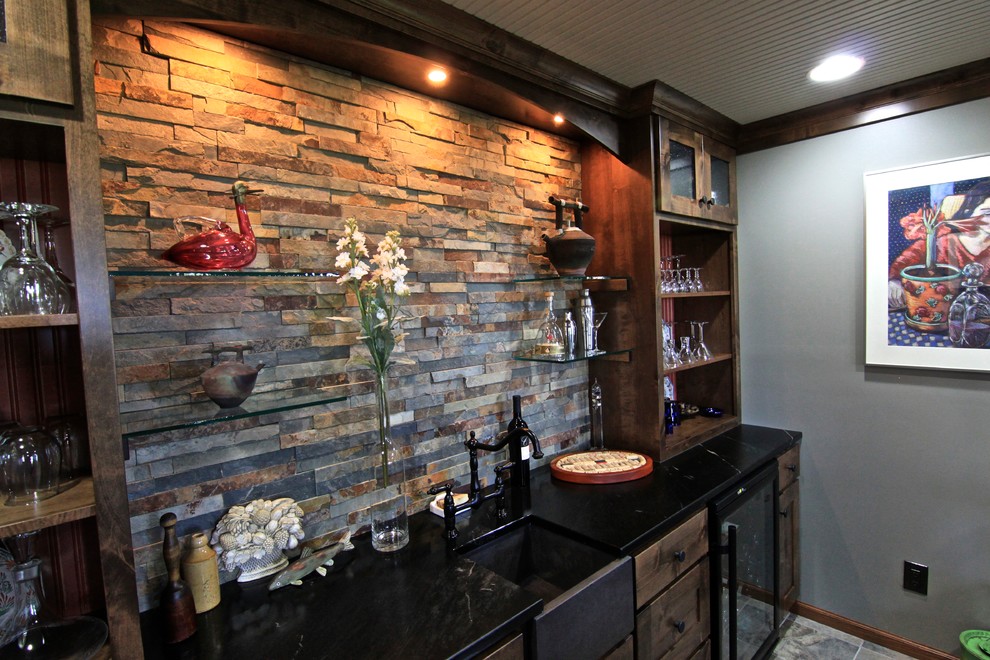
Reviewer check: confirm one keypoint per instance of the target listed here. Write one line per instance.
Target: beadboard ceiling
(749, 59)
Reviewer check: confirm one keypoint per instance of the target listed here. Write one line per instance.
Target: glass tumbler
(30, 460)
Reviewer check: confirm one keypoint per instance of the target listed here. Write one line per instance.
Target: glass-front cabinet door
(720, 163)
(696, 175)
(680, 170)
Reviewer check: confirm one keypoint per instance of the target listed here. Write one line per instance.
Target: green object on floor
(975, 644)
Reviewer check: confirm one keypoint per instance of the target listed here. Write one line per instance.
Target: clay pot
(229, 383)
(570, 251)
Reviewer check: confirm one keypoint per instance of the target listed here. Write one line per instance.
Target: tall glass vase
(389, 515)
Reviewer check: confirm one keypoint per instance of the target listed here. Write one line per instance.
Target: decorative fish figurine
(310, 561)
(217, 245)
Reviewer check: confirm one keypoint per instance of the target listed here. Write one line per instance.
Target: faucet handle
(501, 512)
(449, 510)
(499, 469)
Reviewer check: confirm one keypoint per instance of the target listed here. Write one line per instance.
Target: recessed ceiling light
(836, 67)
(558, 119)
(436, 75)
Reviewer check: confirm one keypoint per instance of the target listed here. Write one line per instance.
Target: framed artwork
(928, 265)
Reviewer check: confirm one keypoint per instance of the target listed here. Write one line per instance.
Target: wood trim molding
(959, 84)
(871, 634)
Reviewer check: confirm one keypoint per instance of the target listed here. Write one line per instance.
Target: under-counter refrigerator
(743, 533)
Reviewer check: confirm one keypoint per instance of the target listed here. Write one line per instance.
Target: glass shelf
(192, 415)
(210, 274)
(529, 356)
(573, 278)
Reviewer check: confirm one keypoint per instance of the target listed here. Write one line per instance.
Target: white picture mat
(877, 188)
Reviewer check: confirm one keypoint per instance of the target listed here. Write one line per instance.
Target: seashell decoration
(252, 537)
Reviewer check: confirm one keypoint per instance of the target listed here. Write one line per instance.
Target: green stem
(384, 423)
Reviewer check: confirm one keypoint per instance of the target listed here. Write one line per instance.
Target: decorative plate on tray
(601, 467)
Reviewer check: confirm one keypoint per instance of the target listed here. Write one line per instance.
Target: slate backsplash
(182, 114)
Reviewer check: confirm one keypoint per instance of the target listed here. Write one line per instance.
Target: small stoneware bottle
(199, 569)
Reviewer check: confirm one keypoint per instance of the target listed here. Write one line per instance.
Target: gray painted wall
(896, 462)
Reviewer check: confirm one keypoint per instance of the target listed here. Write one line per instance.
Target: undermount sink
(588, 605)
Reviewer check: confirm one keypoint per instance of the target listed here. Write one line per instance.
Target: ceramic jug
(230, 382)
(571, 250)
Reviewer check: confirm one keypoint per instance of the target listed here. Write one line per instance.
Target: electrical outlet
(916, 577)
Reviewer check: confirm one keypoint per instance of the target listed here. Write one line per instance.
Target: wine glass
(28, 285)
(49, 226)
(701, 352)
(696, 284)
(30, 463)
(686, 355)
(597, 319)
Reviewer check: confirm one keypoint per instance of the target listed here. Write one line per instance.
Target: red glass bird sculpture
(216, 245)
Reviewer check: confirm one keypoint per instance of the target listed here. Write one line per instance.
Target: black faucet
(517, 435)
(450, 510)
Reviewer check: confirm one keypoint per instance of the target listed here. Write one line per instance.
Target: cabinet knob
(680, 555)
(703, 200)
(792, 467)
(710, 201)
(679, 626)
(783, 513)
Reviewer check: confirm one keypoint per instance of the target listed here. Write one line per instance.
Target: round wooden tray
(601, 467)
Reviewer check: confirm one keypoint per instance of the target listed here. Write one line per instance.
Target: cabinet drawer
(511, 648)
(624, 651)
(677, 622)
(663, 562)
(789, 466)
(705, 652)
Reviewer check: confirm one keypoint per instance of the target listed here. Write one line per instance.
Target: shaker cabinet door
(35, 51)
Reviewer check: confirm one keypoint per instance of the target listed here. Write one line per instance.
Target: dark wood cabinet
(63, 363)
(696, 174)
(672, 593)
(633, 239)
(789, 466)
(36, 51)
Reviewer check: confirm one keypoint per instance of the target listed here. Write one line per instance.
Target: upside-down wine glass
(49, 225)
(696, 285)
(28, 284)
(701, 352)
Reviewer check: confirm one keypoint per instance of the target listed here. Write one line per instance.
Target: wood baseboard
(871, 634)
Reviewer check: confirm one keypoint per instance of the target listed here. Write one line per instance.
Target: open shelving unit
(634, 237)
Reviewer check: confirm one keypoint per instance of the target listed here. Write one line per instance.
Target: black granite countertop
(428, 602)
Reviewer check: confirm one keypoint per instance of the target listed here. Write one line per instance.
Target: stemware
(40, 634)
(28, 284)
(696, 285)
(597, 319)
(30, 462)
(701, 352)
(69, 432)
(686, 354)
(49, 226)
